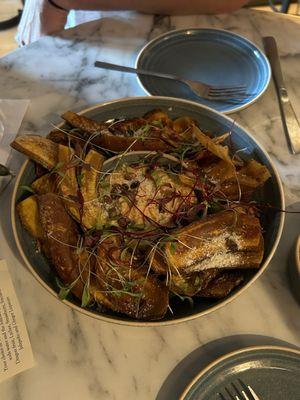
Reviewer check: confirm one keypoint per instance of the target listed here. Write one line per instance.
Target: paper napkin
(11, 116)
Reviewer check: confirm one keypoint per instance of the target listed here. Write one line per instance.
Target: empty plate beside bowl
(216, 57)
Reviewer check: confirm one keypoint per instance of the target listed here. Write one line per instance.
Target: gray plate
(273, 372)
(213, 56)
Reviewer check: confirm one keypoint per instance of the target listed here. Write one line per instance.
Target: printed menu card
(15, 349)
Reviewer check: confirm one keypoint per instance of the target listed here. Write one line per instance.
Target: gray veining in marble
(80, 358)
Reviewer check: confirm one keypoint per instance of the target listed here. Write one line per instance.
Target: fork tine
(228, 86)
(231, 395)
(234, 96)
(247, 392)
(216, 94)
(255, 397)
(233, 100)
(237, 98)
(230, 100)
(238, 392)
(228, 93)
(228, 90)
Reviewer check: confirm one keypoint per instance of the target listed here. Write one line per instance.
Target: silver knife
(289, 119)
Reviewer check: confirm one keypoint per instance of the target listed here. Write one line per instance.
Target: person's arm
(156, 6)
(40, 17)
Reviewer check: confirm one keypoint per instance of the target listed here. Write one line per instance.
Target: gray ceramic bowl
(294, 270)
(297, 254)
(208, 119)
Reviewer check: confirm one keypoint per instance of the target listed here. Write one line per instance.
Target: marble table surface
(80, 358)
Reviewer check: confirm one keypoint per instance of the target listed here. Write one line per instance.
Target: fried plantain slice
(211, 145)
(222, 285)
(117, 143)
(253, 175)
(67, 183)
(90, 174)
(85, 124)
(39, 149)
(158, 116)
(60, 240)
(127, 287)
(44, 184)
(225, 240)
(189, 285)
(237, 184)
(58, 136)
(133, 134)
(29, 215)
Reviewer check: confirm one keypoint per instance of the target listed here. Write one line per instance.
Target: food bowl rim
(297, 254)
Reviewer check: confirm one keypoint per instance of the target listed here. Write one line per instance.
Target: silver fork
(209, 92)
(246, 392)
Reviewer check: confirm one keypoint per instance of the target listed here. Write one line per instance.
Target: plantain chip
(44, 184)
(67, 183)
(37, 148)
(29, 215)
(90, 175)
(83, 123)
(215, 148)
